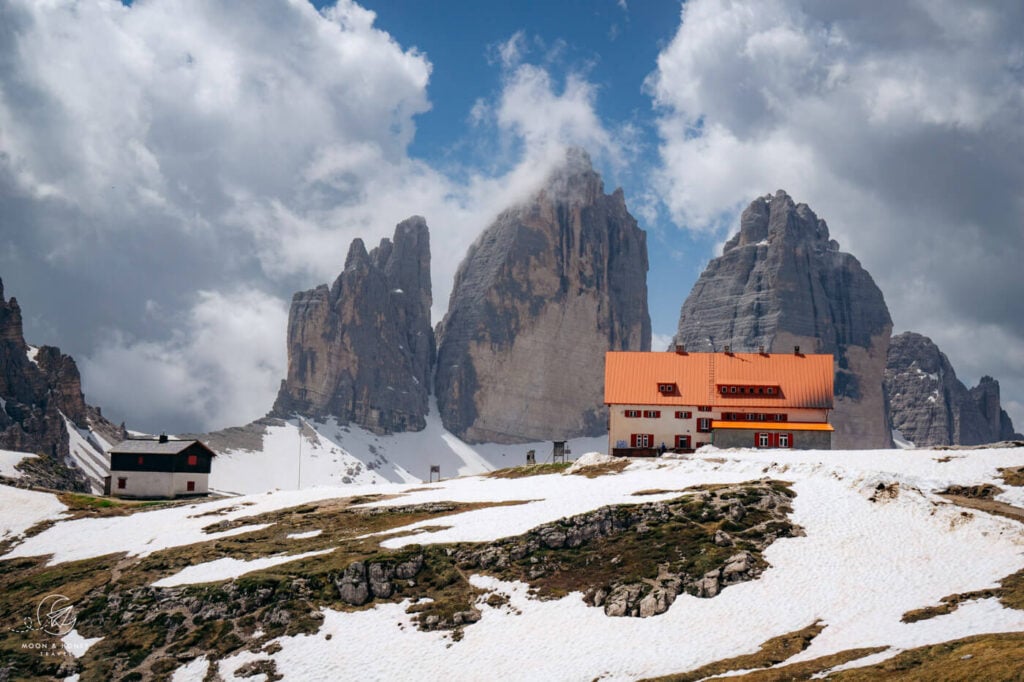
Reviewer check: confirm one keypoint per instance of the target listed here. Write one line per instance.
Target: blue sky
(172, 171)
(615, 45)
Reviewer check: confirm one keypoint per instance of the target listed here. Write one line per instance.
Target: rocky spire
(781, 282)
(929, 405)
(40, 392)
(362, 351)
(543, 293)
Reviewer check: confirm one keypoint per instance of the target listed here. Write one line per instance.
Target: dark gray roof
(152, 447)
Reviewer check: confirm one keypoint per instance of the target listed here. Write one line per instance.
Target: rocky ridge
(782, 282)
(929, 405)
(362, 350)
(543, 293)
(43, 411)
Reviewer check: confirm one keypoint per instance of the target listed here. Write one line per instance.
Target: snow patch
(76, 645)
(590, 459)
(32, 352)
(227, 568)
(901, 442)
(10, 459)
(305, 536)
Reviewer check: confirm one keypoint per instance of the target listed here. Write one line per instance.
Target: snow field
(861, 566)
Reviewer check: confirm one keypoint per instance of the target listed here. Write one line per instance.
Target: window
(190, 486)
(641, 440)
(704, 425)
(632, 414)
(725, 389)
(783, 440)
(704, 408)
(781, 417)
(122, 483)
(732, 389)
(193, 460)
(652, 414)
(683, 414)
(770, 390)
(763, 440)
(141, 459)
(683, 442)
(667, 389)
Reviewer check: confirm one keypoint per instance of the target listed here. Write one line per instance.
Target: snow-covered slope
(326, 453)
(865, 561)
(89, 453)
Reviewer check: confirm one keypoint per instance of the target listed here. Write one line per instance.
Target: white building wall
(181, 480)
(142, 484)
(163, 484)
(667, 427)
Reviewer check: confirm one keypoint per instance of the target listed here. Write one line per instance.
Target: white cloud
(173, 146)
(226, 356)
(900, 126)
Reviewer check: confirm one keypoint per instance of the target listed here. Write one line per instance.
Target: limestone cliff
(43, 410)
(362, 350)
(929, 405)
(781, 282)
(543, 293)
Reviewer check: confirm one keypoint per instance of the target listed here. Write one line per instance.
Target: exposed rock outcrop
(362, 350)
(781, 282)
(928, 405)
(41, 402)
(545, 291)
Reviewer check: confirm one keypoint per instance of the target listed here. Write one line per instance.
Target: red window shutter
(632, 440)
(775, 440)
(650, 439)
(757, 440)
(791, 440)
(193, 460)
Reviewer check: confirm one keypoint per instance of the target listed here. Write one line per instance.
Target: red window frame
(652, 414)
(683, 414)
(641, 440)
(122, 483)
(193, 460)
(631, 414)
(190, 486)
(704, 425)
(141, 459)
(683, 442)
(703, 408)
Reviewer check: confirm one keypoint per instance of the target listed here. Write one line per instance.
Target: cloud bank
(171, 172)
(899, 123)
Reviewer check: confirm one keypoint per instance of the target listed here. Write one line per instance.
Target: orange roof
(774, 426)
(632, 378)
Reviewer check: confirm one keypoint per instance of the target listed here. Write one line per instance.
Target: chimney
(163, 437)
(796, 350)
(760, 349)
(728, 350)
(680, 349)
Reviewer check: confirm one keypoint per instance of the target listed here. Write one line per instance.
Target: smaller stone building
(160, 468)
(678, 401)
